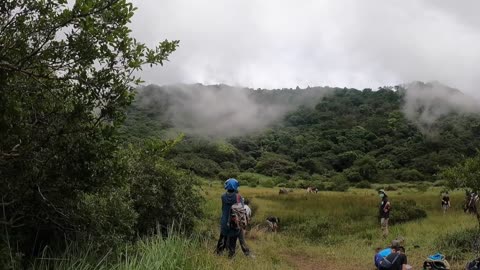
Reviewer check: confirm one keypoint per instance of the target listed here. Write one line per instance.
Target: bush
(314, 228)
(363, 184)
(290, 184)
(440, 183)
(404, 211)
(390, 188)
(267, 183)
(458, 244)
(422, 187)
(339, 183)
(252, 184)
(226, 174)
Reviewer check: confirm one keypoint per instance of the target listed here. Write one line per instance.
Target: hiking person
(382, 253)
(397, 260)
(241, 237)
(445, 202)
(229, 231)
(384, 212)
(273, 223)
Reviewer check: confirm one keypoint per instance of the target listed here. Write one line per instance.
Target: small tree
(465, 175)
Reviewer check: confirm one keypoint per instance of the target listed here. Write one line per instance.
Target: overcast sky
(277, 43)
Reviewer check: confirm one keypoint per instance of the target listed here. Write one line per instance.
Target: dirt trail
(303, 261)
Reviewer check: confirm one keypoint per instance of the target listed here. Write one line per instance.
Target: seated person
(397, 259)
(273, 223)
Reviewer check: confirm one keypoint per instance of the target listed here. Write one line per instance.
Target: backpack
(436, 262)
(238, 215)
(473, 265)
(385, 264)
(381, 254)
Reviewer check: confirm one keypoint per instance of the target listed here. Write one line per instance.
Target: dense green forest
(328, 137)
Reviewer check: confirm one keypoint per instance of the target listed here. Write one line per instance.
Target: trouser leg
(243, 243)
(221, 244)
(232, 245)
(384, 224)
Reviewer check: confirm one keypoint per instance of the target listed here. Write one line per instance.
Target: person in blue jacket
(228, 234)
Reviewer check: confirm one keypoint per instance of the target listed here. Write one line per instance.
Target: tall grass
(328, 230)
(172, 252)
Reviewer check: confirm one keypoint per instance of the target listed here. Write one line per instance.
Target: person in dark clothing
(445, 202)
(228, 234)
(384, 212)
(397, 257)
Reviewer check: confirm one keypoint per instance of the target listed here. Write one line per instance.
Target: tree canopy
(362, 135)
(67, 74)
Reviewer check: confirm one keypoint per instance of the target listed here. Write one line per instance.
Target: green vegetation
(66, 79)
(90, 180)
(342, 137)
(326, 230)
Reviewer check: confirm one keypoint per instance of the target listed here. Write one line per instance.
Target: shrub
(403, 211)
(390, 188)
(290, 184)
(314, 228)
(422, 187)
(252, 184)
(339, 183)
(459, 243)
(363, 184)
(440, 183)
(267, 183)
(226, 174)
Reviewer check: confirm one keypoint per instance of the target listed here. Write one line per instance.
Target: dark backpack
(238, 215)
(473, 265)
(385, 264)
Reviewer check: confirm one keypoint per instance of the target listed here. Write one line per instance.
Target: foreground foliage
(66, 77)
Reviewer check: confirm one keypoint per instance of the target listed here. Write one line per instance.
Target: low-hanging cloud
(426, 103)
(281, 43)
(221, 110)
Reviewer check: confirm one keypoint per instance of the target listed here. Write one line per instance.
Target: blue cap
(231, 184)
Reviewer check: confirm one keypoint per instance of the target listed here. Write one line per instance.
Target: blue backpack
(380, 255)
(386, 264)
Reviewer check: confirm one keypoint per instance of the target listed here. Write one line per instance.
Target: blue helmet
(231, 184)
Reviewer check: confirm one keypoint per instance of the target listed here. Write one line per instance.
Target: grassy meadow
(331, 230)
(328, 230)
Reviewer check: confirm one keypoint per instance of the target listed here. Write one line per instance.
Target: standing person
(228, 233)
(384, 212)
(241, 237)
(397, 260)
(445, 202)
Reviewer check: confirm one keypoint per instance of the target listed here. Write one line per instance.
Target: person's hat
(231, 184)
(381, 191)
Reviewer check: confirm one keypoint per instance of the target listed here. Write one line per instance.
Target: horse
(472, 204)
(312, 190)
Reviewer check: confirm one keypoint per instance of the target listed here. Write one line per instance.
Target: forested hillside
(329, 137)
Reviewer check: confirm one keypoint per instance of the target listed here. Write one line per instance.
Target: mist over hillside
(222, 110)
(339, 135)
(225, 111)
